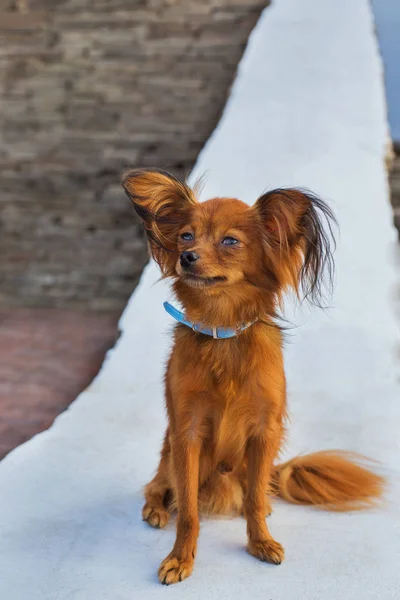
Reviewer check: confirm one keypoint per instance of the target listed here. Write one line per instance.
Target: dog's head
(224, 244)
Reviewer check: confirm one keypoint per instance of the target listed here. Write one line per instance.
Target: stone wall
(88, 88)
(394, 181)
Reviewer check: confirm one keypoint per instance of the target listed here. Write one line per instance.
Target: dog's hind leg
(158, 492)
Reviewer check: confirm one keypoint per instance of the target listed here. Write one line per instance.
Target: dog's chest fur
(227, 384)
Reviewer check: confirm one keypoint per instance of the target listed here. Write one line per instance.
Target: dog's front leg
(185, 456)
(155, 511)
(261, 451)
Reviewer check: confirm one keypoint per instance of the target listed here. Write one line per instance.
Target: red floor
(47, 356)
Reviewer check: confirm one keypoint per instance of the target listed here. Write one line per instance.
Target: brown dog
(226, 398)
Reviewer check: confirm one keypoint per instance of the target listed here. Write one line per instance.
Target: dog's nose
(187, 259)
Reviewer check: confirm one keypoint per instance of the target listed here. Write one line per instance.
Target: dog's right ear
(162, 202)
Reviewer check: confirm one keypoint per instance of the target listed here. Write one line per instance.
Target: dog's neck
(224, 307)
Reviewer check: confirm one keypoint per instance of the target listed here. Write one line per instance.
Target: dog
(231, 265)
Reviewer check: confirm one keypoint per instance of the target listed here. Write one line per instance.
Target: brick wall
(394, 182)
(87, 88)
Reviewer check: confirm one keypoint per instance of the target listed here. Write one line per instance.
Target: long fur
(333, 480)
(301, 225)
(159, 199)
(226, 399)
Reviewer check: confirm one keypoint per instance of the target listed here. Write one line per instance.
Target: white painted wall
(307, 109)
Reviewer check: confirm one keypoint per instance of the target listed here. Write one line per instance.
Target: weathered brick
(89, 88)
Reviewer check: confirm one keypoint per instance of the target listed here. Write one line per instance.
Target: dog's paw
(268, 551)
(173, 569)
(156, 516)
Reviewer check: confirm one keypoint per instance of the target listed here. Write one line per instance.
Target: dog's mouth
(198, 281)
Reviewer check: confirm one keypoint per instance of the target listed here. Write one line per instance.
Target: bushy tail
(334, 480)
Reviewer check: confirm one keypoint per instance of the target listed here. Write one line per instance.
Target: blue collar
(218, 333)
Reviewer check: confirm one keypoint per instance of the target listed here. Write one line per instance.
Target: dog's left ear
(297, 227)
(161, 202)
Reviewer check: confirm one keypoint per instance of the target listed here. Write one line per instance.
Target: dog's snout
(188, 258)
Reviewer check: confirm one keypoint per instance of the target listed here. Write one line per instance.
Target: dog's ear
(161, 201)
(297, 227)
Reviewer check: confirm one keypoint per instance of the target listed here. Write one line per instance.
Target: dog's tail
(334, 480)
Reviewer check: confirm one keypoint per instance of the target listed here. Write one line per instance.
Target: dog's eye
(229, 241)
(187, 236)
